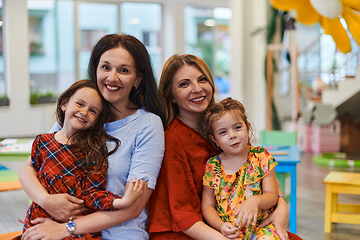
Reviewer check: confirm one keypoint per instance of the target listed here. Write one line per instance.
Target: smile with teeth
(197, 99)
(112, 88)
(80, 119)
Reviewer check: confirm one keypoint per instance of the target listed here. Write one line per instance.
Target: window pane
(207, 36)
(51, 47)
(143, 21)
(3, 91)
(95, 21)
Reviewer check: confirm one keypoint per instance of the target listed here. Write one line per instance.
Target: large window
(143, 21)
(207, 36)
(51, 48)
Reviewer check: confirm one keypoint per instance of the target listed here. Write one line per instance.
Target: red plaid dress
(60, 172)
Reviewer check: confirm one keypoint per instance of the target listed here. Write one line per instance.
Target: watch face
(71, 227)
(71, 224)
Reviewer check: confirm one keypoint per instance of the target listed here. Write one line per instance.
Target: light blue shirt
(140, 155)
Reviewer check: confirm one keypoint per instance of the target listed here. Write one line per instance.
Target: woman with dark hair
(121, 68)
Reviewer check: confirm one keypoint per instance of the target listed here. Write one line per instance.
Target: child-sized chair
(335, 212)
(278, 138)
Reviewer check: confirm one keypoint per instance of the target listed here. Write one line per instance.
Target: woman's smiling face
(116, 76)
(191, 90)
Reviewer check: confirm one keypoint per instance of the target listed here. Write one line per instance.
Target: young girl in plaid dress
(239, 183)
(74, 160)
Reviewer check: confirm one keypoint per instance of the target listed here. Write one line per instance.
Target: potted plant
(4, 101)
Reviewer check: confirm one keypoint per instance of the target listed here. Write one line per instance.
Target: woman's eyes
(183, 84)
(203, 79)
(124, 70)
(105, 67)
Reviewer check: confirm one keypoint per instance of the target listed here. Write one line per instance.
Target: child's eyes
(79, 104)
(238, 127)
(222, 132)
(93, 112)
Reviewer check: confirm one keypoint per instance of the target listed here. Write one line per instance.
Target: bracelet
(281, 196)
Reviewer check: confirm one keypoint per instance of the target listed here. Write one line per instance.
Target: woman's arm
(279, 217)
(212, 217)
(60, 206)
(94, 222)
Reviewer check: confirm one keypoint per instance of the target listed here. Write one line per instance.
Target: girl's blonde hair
(217, 110)
(171, 66)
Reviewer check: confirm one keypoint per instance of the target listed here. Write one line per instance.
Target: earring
(136, 87)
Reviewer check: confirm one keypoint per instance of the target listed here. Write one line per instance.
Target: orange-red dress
(175, 204)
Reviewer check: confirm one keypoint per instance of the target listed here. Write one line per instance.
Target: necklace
(188, 124)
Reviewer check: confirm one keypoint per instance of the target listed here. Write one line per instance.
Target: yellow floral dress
(232, 190)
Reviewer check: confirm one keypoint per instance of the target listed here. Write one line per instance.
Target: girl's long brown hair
(89, 144)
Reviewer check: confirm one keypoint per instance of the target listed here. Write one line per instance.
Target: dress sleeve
(35, 154)
(211, 176)
(94, 195)
(184, 201)
(149, 151)
(261, 163)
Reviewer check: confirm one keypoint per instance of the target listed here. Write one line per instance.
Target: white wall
(247, 70)
(19, 118)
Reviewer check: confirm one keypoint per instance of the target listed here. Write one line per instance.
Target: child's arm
(59, 206)
(211, 215)
(247, 212)
(132, 192)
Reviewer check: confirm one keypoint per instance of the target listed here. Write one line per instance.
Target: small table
(15, 149)
(288, 157)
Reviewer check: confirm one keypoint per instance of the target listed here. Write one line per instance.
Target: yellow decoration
(329, 15)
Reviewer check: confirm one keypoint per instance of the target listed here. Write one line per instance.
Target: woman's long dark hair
(89, 144)
(147, 94)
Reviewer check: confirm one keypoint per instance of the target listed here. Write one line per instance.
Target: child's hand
(62, 206)
(247, 212)
(229, 230)
(132, 193)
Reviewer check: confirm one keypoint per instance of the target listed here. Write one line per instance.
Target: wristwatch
(281, 196)
(71, 227)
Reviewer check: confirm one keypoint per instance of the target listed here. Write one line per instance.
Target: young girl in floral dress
(74, 160)
(239, 183)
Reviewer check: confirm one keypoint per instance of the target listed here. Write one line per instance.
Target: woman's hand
(63, 206)
(46, 229)
(279, 217)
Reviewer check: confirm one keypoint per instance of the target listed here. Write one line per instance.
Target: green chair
(279, 138)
